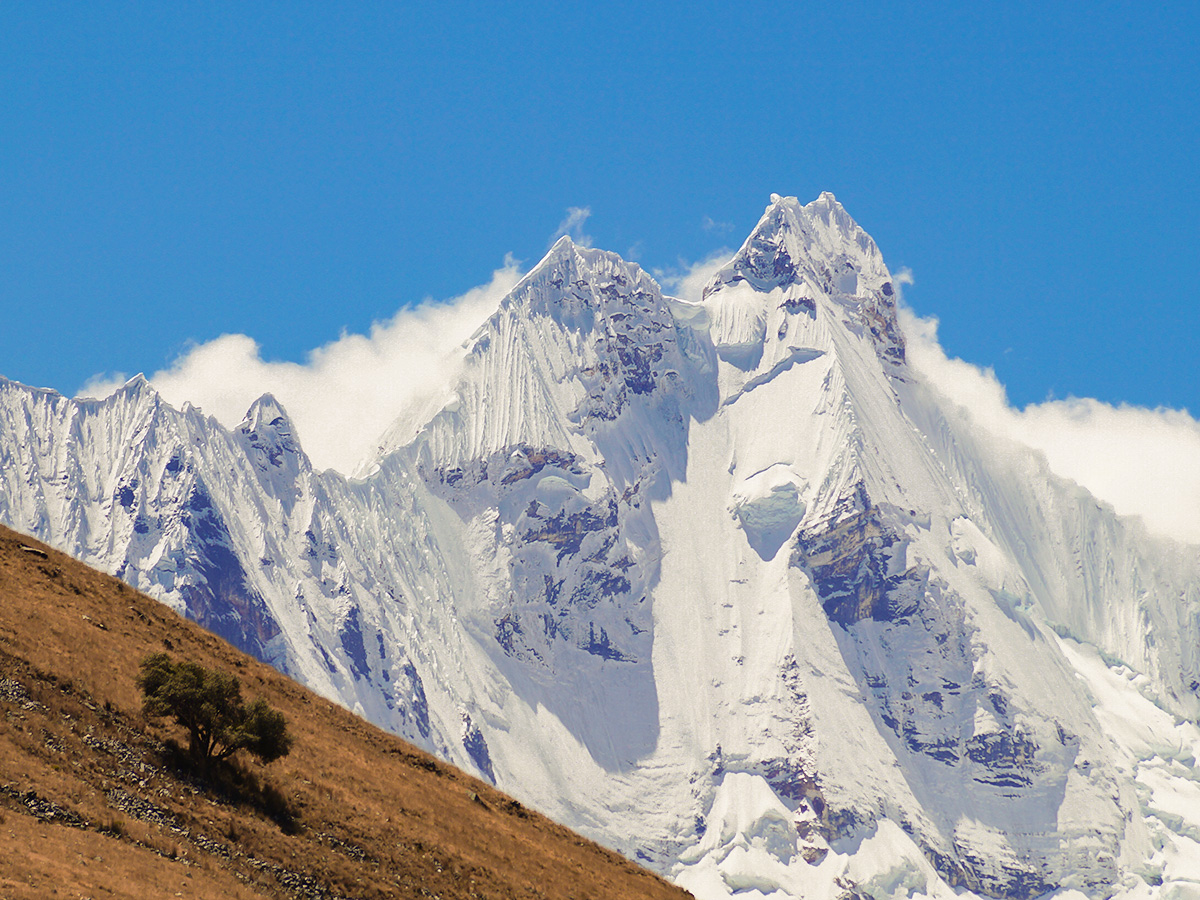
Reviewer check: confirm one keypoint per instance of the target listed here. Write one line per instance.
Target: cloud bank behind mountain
(1144, 462)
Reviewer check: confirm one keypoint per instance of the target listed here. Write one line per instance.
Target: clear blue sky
(171, 172)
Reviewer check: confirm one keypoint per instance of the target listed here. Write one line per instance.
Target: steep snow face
(567, 422)
(128, 485)
(235, 530)
(721, 584)
(920, 685)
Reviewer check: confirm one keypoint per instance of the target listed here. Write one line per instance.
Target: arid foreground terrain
(91, 804)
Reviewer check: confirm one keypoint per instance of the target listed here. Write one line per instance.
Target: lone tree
(209, 705)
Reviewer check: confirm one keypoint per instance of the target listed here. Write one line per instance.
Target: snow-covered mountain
(723, 585)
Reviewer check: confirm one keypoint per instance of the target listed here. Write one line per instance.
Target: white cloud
(688, 280)
(708, 223)
(102, 385)
(1144, 462)
(572, 226)
(343, 397)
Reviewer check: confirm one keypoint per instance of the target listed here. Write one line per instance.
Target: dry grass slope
(91, 807)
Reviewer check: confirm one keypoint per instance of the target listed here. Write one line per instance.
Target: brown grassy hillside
(91, 804)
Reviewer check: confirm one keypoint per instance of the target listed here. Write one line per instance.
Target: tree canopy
(209, 705)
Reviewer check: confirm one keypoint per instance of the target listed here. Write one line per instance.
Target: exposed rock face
(723, 585)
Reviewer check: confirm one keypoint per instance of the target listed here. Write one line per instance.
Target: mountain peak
(137, 385)
(562, 255)
(792, 241)
(270, 437)
(136, 393)
(571, 279)
(266, 411)
(812, 253)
